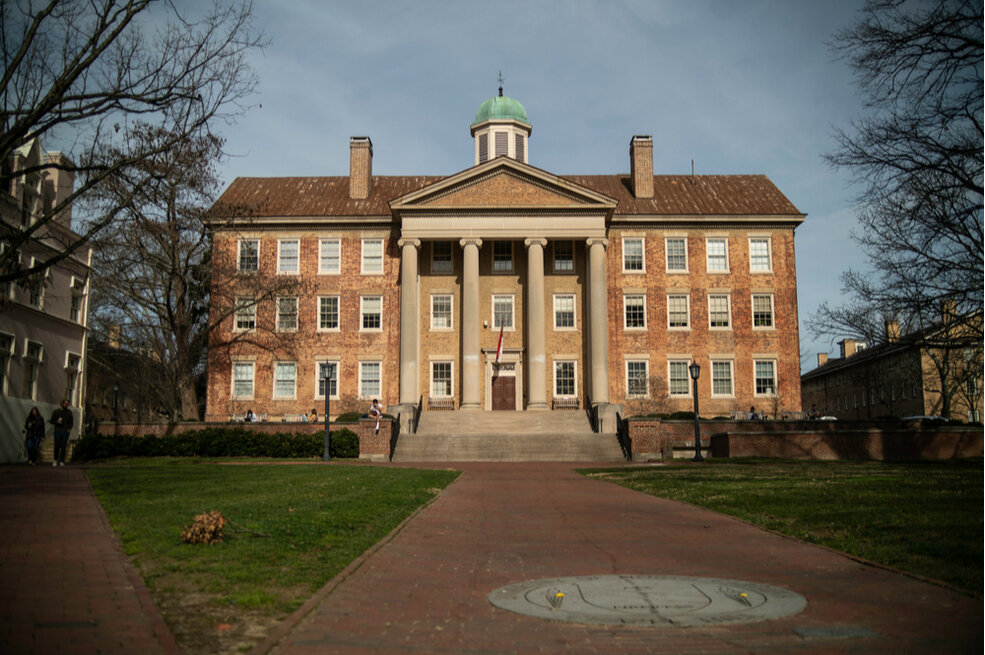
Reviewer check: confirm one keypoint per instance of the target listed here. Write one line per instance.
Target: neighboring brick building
(603, 287)
(905, 375)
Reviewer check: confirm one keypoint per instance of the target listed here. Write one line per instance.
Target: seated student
(313, 416)
(249, 416)
(752, 414)
(376, 412)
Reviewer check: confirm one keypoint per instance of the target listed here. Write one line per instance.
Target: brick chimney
(360, 167)
(641, 165)
(949, 310)
(822, 359)
(848, 347)
(892, 331)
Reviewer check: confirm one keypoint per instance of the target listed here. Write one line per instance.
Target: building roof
(673, 195)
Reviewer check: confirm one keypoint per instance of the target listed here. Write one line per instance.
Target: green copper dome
(500, 108)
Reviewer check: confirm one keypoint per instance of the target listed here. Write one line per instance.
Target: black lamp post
(326, 455)
(116, 398)
(695, 370)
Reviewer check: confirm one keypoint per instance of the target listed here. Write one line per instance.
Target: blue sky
(737, 86)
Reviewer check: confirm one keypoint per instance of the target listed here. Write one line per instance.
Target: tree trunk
(189, 399)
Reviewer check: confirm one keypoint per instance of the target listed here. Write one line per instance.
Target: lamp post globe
(694, 370)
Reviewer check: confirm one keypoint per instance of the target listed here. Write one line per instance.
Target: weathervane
(500, 78)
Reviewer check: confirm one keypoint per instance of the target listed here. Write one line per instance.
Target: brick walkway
(425, 591)
(65, 586)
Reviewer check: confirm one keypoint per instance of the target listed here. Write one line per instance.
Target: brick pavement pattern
(425, 591)
(65, 584)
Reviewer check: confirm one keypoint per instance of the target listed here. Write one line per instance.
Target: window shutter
(483, 147)
(519, 148)
(502, 143)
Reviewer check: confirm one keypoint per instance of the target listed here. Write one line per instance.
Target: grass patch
(924, 518)
(292, 529)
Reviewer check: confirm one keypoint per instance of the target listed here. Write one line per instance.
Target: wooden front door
(504, 392)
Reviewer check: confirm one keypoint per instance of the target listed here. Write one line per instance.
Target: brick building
(929, 372)
(601, 289)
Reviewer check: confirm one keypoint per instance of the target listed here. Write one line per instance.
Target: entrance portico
(506, 202)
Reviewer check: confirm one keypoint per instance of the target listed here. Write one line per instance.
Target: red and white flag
(499, 348)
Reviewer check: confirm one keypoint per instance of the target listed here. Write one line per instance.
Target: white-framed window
(678, 311)
(6, 352)
(248, 257)
(762, 311)
(323, 368)
(441, 379)
(441, 261)
(634, 311)
(288, 256)
(371, 313)
(565, 378)
(72, 363)
(502, 256)
(287, 314)
(329, 256)
(35, 286)
(564, 256)
(242, 383)
(442, 311)
(328, 313)
(564, 311)
(717, 253)
(245, 315)
(632, 255)
(33, 358)
(285, 379)
(502, 310)
(372, 257)
(369, 379)
(637, 378)
(721, 378)
(676, 248)
(760, 256)
(76, 309)
(765, 377)
(719, 311)
(678, 378)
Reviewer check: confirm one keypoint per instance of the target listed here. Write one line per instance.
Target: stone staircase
(548, 436)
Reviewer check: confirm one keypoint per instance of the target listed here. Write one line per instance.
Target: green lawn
(294, 526)
(925, 518)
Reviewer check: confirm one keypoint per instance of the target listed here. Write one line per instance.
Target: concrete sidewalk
(66, 587)
(65, 584)
(425, 591)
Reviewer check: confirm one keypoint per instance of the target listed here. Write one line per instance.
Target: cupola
(501, 128)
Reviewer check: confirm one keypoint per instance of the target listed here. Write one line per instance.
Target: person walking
(62, 419)
(34, 427)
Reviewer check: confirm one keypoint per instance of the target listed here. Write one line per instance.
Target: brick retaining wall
(372, 446)
(652, 439)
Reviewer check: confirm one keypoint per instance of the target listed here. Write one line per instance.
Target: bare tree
(81, 72)
(917, 155)
(153, 272)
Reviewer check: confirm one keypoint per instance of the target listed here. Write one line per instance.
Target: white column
(409, 321)
(599, 325)
(536, 360)
(471, 372)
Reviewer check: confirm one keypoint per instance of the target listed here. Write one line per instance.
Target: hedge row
(218, 442)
